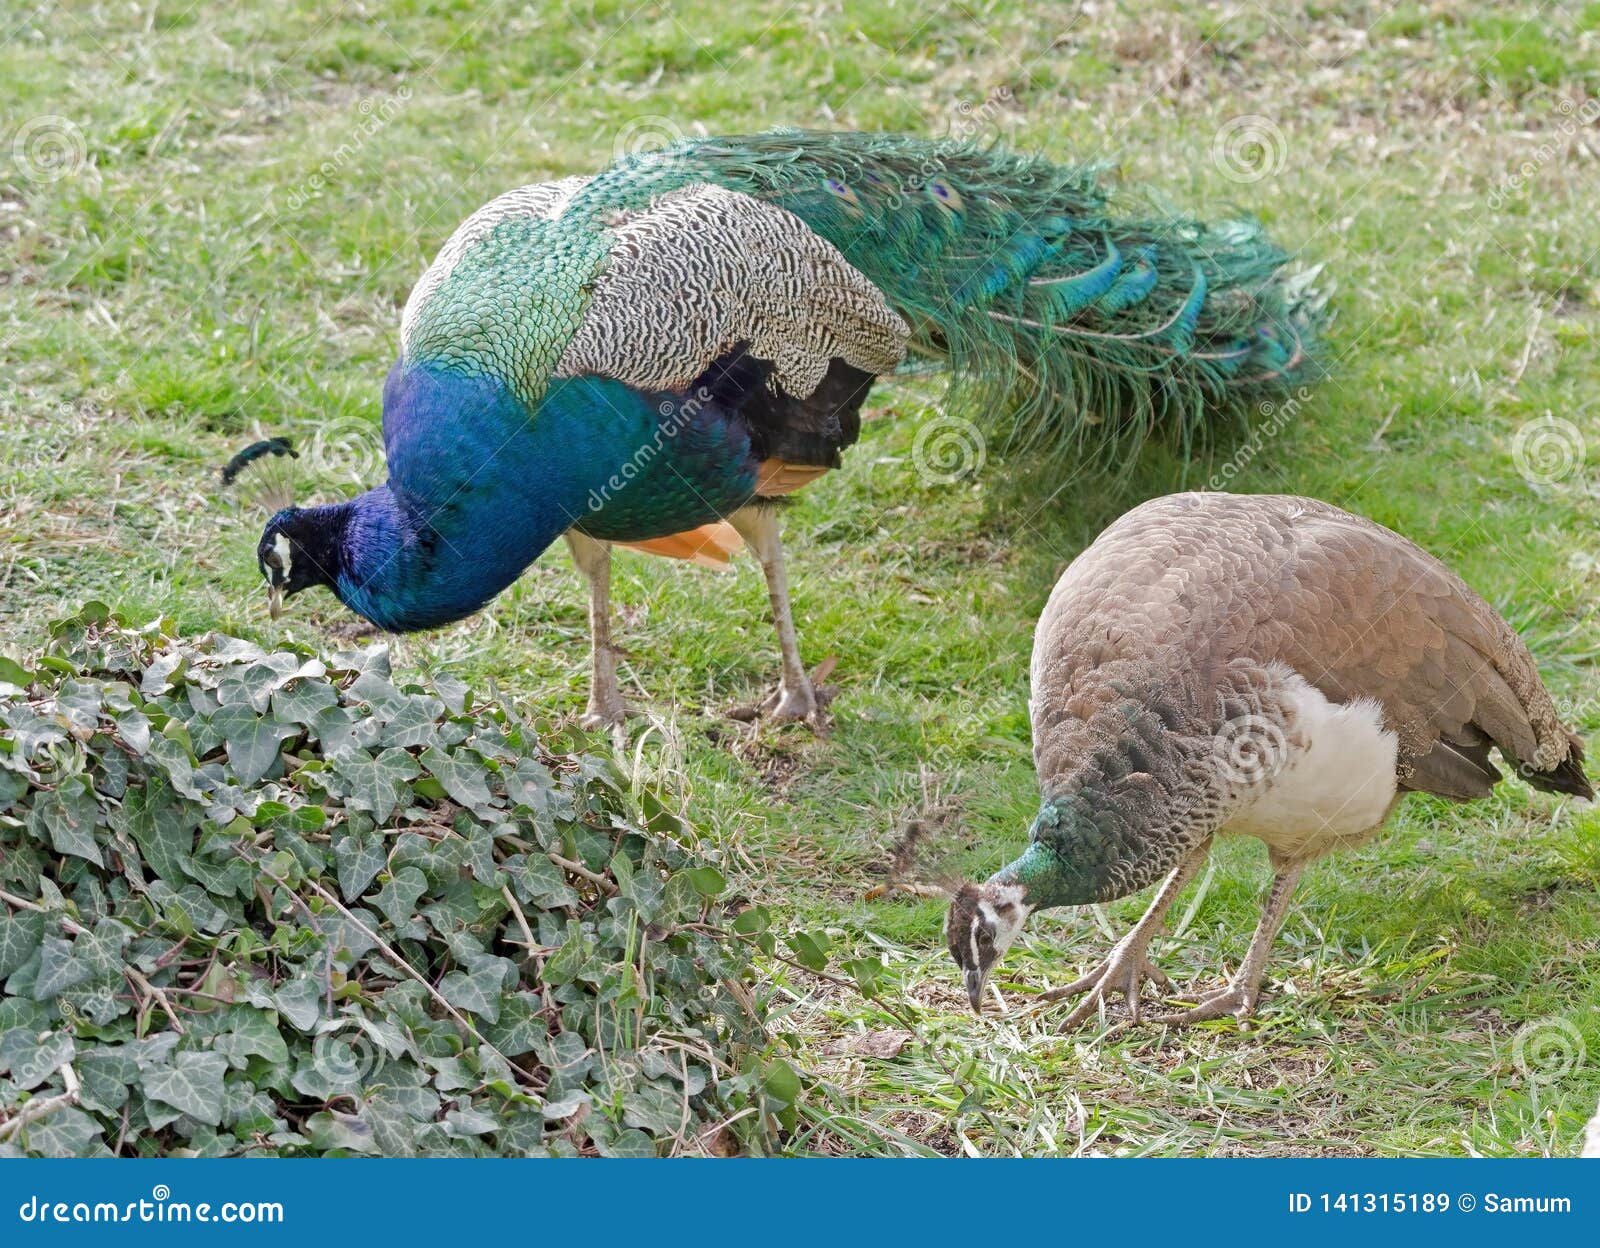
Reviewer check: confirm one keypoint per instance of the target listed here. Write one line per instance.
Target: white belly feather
(1334, 783)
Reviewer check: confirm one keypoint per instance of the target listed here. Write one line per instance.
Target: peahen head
(983, 922)
(302, 547)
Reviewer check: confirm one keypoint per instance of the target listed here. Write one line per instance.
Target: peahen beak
(274, 600)
(975, 978)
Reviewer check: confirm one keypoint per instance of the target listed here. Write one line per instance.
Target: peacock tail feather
(1080, 318)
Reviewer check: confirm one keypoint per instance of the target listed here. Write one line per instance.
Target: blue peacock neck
(478, 487)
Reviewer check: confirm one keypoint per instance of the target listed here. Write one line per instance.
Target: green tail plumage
(1086, 321)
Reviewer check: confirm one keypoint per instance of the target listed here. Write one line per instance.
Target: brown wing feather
(1392, 623)
(1186, 584)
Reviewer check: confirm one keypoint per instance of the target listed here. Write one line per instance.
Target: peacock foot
(792, 703)
(1124, 970)
(803, 700)
(1232, 999)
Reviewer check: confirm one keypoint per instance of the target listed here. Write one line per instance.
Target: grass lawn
(211, 215)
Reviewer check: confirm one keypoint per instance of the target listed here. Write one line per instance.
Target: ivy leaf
(567, 961)
(66, 1133)
(398, 898)
(707, 881)
(360, 858)
(301, 701)
(452, 690)
(538, 881)
(161, 672)
(300, 1001)
(174, 759)
(629, 1143)
(375, 690)
(20, 935)
(781, 1082)
(192, 1084)
(151, 815)
(461, 774)
(59, 969)
(414, 721)
(67, 816)
(251, 1033)
(31, 1058)
(467, 1122)
(477, 992)
(376, 784)
(252, 740)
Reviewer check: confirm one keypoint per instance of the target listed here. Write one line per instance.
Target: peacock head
(299, 548)
(983, 922)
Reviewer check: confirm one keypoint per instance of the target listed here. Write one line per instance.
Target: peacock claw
(1124, 970)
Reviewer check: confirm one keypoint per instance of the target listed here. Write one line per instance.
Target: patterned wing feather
(703, 270)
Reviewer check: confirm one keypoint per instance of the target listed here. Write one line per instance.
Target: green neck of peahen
(1081, 851)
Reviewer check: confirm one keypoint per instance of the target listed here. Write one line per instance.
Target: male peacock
(1268, 665)
(638, 356)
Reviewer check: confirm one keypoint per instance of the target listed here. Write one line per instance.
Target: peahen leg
(1238, 995)
(1128, 964)
(795, 699)
(606, 706)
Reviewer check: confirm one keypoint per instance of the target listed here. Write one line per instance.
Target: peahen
(642, 355)
(1264, 665)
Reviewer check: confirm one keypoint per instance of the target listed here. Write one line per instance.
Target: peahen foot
(1239, 995)
(604, 713)
(1233, 998)
(1124, 970)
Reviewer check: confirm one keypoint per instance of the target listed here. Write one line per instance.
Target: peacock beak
(975, 978)
(274, 600)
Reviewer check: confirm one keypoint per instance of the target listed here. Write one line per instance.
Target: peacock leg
(795, 699)
(606, 707)
(1238, 996)
(1128, 964)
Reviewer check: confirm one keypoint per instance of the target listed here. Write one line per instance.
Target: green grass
(231, 259)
